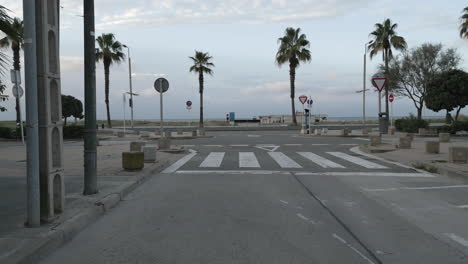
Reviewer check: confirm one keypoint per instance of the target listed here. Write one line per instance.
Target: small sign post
(391, 98)
(161, 85)
(18, 93)
(303, 100)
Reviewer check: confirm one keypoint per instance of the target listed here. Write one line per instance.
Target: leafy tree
(2, 98)
(411, 73)
(385, 38)
(109, 52)
(15, 42)
(293, 48)
(464, 24)
(71, 106)
(201, 64)
(77, 109)
(448, 91)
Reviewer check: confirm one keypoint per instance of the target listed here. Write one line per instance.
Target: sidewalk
(24, 245)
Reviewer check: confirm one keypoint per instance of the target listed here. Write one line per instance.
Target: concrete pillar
(458, 154)
(444, 137)
(52, 191)
(432, 147)
(149, 154)
(375, 140)
(137, 145)
(405, 143)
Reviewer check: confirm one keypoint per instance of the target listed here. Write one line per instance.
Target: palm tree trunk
(200, 80)
(106, 87)
(17, 67)
(292, 79)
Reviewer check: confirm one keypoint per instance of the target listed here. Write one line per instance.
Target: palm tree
(293, 49)
(109, 52)
(15, 41)
(464, 24)
(5, 27)
(384, 38)
(201, 64)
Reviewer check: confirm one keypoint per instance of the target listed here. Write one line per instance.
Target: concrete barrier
(458, 155)
(324, 131)
(136, 145)
(164, 143)
(375, 140)
(432, 147)
(391, 130)
(194, 133)
(133, 160)
(157, 132)
(422, 131)
(405, 143)
(120, 134)
(201, 132)
(318, 132)
(444, 137)
(149, 154)
(180, 132)
(365, 131)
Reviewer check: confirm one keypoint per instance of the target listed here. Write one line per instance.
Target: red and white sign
(379, 83)
(391, 98)
(303, 99)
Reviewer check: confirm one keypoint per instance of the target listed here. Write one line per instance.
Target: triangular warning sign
(379, 83)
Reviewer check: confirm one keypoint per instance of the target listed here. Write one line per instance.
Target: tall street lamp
(130, 80)
(363, 91)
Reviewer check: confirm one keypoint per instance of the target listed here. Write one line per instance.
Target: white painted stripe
(233, 172)
(188, 146)
(417, 188)
(248, 160)
(337, 237)
(253, 136)
(214, 146)
(363, 139)
(359, 152)
(283, 201)
(349, 144)
(174, 167)
(361, 162)
(293, 145)
(240, 145)
(283, 160)
(320, 144)
(324, 163)
(302, 217)
(213, 160)
(458, 239)
(463, 206)
(367, 174)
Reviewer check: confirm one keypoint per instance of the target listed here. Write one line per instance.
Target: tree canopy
(71, 107)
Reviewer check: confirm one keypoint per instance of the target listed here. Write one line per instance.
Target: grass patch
(426, 168)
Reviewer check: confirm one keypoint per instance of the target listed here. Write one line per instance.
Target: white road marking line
(361, 162)
(234, 172)
(292, 145)
(283, 160)
(241, 145)
(458, 239)
(320, 144)
(359, 152)
(213, 160)
(369, 174)
(302, 217)
(349, 144)
(285, 202)
(417, 188)
(188, 146)
(174, 167)
(324, 163)
(363, 139)
(214, 146)
(337, 237)
(462, 206)
(248, 160)
(253, 136)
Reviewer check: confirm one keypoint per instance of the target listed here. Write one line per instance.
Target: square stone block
(432, 147)
(194, 133)
(444, 137)
(120, 134)
(391, 130)
(179, 132)
(133, 160)
(324, 131)
(201, 132)
(149, 154)
(318, 132)
(422, 131)
(164, 143)
(405, 143)
(136, 145)
(375, 140)
(458, 154)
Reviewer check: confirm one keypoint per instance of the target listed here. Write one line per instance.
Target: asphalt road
(275, 197)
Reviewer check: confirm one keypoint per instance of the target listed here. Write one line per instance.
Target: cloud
(71, 63)
(144, 75)
(267, 88)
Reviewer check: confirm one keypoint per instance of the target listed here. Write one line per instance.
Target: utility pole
(32, 144)
(130, 80)
(90, 140)
(364, 90)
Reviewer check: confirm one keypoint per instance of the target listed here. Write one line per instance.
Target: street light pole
(130, 80)
(364, 90)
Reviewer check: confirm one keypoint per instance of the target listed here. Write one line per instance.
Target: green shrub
(6, 132)
(410, 124)
(73, 132)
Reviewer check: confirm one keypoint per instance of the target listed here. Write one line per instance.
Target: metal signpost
(189, 107)
(379, 83)
(303, 100)
(391, 98)
(310, 102)
(124, 102)
(161, 85)
(18, 92)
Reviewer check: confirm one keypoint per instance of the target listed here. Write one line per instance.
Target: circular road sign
(161, 85)
(391, 98)
(189, 103)
(17, 91)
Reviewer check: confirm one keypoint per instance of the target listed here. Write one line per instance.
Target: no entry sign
(303, 99)
(391, 98)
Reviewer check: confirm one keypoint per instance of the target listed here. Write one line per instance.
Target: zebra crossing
(276, 159)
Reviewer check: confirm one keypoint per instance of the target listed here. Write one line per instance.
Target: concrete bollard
(432, 147)
(164, 143)
(444, 137)
(133, 160)
(375, 140)
(422, 132)
(324, 131)
(391, 130)
(201, 132)
(458, 155)
(405, 143)
(120, 134)
(149, 154)
(136, 145)
(194, 133)
(317, 132)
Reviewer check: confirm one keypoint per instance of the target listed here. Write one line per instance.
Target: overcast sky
(242, 36)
